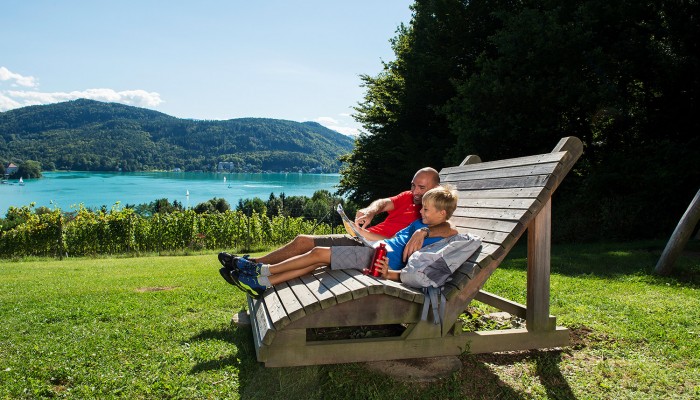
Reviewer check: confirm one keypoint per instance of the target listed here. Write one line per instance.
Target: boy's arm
(386, 272)
(443, 230)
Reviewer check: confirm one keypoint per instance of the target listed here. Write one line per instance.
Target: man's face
(420, 184)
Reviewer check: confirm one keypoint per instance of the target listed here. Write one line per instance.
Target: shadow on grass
(546, 363)
(614, 260)
(240, 338)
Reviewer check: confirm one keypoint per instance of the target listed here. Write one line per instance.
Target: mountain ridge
(96, 136)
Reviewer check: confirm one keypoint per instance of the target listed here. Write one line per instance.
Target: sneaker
(248, 267)
(228, 260)
(251, 286)
(228, 277)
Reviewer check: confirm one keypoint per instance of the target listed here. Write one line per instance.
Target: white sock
(265, 270)
(264, 281)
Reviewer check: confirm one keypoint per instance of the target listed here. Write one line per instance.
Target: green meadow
(159, 327)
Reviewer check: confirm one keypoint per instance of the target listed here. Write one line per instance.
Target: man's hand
(363, 217)
(414, 244)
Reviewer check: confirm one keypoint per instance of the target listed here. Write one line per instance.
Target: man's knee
(305, 242)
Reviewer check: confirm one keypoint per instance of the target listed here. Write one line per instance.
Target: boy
(438, 205)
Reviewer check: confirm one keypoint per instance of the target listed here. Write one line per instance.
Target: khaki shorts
(335, 240)
(351, 257)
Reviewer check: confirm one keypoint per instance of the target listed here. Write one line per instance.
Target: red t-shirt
(401, 216)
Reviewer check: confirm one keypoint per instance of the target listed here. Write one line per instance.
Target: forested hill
(95, 136)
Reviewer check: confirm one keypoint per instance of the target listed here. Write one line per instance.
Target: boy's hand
(383, 264)
(414, 244)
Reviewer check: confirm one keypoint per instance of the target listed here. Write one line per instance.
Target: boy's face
(431, 215)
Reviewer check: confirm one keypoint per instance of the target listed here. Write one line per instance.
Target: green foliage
(28, 169)
(503, 79)
(249, 206)
(43, 232)
(212, 206)
(93, 136)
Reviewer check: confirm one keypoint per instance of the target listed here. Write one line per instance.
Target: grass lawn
(159, 327)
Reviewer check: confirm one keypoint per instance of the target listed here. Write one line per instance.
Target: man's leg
(299, 245)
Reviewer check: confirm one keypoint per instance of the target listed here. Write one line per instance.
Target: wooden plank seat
(498, 201)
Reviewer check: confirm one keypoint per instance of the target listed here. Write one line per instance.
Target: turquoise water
(95, 189)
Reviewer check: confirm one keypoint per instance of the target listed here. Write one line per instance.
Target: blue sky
(297, 60)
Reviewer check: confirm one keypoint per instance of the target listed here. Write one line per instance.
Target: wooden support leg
(539, 241)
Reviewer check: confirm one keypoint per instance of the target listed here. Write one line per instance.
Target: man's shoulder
(402, 197)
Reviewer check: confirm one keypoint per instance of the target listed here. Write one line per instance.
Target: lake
(95, 189)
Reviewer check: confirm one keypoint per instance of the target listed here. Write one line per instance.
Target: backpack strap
(435, 299)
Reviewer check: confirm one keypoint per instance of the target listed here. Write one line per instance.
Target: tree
(505, 79)
(28, 169)
(406, 126)
(214, 205)
(248, 206)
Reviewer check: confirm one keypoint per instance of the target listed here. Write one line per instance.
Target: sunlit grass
(159, 327)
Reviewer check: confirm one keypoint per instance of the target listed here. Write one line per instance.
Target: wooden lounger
(498, 201)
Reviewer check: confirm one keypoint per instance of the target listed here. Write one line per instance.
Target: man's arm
(364, 216)
(443, 230)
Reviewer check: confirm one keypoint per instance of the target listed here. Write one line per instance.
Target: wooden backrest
(497, 201)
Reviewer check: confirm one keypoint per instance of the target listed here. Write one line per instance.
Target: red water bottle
(379, 253)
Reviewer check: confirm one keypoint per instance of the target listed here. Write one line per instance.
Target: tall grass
(158, 327)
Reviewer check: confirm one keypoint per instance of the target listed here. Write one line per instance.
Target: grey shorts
(351, 257)
(335, 240)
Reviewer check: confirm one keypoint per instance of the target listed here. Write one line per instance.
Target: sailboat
(188, 193)
(21, 181)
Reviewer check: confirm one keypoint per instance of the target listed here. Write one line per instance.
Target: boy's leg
(316, 257)
(295, 273)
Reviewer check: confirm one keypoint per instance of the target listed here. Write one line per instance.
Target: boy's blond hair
(443, 197)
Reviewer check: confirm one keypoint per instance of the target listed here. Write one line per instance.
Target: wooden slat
(275, 309)
(376, 309)
(519, 203)
(265, 327)
(306, 297)
(325, 297)
(404, 292)
(517, 182)
(506, 193)
(511, 162)
(491, 213)
(289, 301)
(356, 288)
(502, 173)
(340, 292)
(483, 224)
(489, 236)
(373, 285)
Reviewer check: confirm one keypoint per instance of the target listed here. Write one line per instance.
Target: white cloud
(26, 81)
(10, 99)
(327, 121)
(332, 123)
(7, 103)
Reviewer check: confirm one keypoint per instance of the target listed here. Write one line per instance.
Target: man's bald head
(424, 180)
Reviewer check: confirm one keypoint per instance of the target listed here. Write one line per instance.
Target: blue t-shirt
(399, 241)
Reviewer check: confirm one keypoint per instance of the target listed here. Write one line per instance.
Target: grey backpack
(432, 266)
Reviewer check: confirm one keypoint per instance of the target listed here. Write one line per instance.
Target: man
(402, 210)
